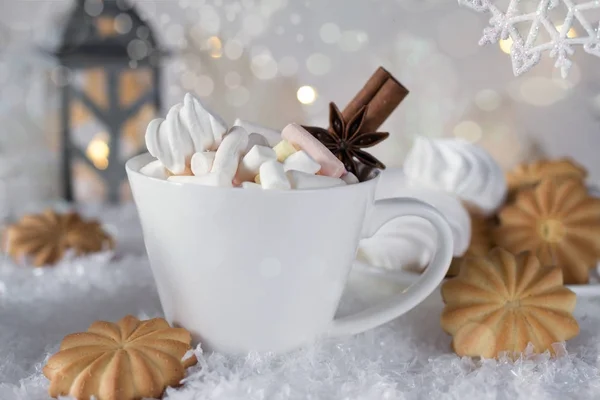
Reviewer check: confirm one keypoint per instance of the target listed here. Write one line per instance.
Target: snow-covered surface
(407, 359)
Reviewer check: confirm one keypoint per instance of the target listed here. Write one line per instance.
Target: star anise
(345, 139)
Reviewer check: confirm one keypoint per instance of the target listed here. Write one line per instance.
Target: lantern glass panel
(134, 84)
(109, 111)
(88, 185)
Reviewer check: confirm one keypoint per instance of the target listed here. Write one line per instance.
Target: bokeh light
(233, 49)
(93, 7)
(541, 91)
(468, 130)
(215, 47)
(238, 96)
(98, 150)
(233, 79)
(137, 49)
(123, 23)
(572, 33)
(204, 85)
(506, 45)
(488, 100)
(263, 66)
(306, 94)
(353, 40)
(330, 33)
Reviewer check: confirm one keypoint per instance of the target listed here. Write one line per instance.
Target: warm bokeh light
(97, 151)
(506, 45)
(215, 47)
(571, 34)
(306, 95)
(468, 130)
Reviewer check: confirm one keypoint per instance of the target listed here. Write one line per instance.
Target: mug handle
(383, 212)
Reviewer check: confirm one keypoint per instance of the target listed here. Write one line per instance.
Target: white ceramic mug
(249, 269)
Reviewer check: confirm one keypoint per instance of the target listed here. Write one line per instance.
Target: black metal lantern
(111, 57)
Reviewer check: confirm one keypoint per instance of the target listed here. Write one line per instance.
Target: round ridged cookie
(501, 303)
(129, 360)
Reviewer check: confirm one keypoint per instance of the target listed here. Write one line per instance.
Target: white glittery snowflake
(527, 48)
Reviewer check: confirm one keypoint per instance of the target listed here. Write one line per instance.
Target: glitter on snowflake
(527, 48)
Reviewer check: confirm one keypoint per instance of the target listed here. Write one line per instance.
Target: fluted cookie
(503, 302)
(559, 222)
(531, 174)
(44, 238)
(129, 360)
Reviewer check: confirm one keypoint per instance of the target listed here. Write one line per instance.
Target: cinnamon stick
(382, 94)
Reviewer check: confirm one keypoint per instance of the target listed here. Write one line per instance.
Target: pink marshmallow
(300, 137)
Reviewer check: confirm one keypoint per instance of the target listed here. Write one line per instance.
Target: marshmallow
(272, 176)
(228, 154)
(284, 149)
(301, 138)
(272, 136)
(251, 185)
(252, 161)
(301, 161)
(255, 139)
(302, 180)
(154, 169)
(210, 179)
(257, 179)
(202, 162)
(350, 178)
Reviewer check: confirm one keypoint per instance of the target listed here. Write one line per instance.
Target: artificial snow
(409, 358)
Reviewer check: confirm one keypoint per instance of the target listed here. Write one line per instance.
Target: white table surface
(409, 358)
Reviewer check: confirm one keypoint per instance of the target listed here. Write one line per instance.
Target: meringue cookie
(458, 167)
(410, 242)
(188, 128)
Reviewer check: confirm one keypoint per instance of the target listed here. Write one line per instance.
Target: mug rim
(136, 172)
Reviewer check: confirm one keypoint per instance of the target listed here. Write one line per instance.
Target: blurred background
(86, 76)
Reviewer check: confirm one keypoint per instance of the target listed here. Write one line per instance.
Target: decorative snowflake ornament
(528, 46)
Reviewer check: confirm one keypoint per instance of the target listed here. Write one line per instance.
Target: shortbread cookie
(503, 302)
(559, 222)
(129, 360)
(530, 174)
(44, 238)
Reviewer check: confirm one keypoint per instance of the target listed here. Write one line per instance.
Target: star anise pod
(345, 139)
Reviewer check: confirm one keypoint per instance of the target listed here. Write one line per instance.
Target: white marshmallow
(272, 136)
(272, 176)
(202, 162)
(349, 178)
(251, 185)
(256, 139)
(250, 165)
(210, 179)
(301, 161)
(302, 180)
(155, 169)
(227, 157)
